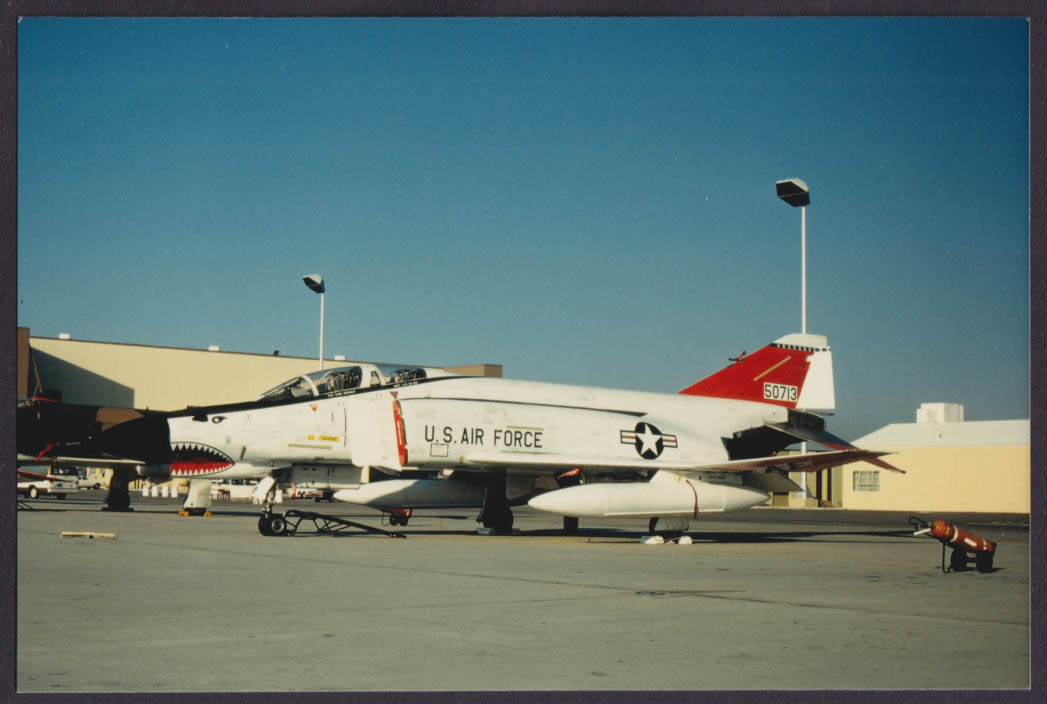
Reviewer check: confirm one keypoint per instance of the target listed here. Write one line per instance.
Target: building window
(867, 480)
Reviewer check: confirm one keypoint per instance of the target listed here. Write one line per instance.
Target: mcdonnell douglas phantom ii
(455, 441)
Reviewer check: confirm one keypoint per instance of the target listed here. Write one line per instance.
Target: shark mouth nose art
(193, 458)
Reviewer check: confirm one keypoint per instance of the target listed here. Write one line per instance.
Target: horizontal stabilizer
(817, 435)
(771, 482)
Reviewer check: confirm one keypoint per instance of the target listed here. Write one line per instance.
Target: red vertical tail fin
(793, 371)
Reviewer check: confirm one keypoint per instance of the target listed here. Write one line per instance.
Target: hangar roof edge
(967, 433)
(327, 360)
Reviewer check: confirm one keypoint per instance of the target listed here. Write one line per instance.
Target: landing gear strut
(570, 525)
(496, 514)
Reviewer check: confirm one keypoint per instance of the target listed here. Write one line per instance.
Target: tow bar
(966, 547)
(287, 524)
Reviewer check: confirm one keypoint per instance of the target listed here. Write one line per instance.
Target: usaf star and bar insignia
(648, 440)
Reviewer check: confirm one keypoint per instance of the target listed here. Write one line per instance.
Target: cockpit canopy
(328, 381)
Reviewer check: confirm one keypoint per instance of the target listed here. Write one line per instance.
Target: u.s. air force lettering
(649, 441)
(516, 437)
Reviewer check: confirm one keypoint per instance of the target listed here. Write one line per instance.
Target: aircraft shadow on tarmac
(604, 535)
(737, 537)
(625, 535)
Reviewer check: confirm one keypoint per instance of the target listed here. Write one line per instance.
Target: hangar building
(950, 465)
(160, 378)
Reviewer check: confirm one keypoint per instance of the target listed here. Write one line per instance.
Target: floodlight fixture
(315, 282)
(794, 192)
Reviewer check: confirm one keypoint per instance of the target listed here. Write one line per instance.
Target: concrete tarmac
(763, 599)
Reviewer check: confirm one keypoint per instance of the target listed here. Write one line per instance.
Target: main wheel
(277, 524)
(501, 524)
(263, 526)
(33, 492)
(117, 500)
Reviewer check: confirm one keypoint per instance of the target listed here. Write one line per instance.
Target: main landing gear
(496, 515)
(118, 498)
(274, 524)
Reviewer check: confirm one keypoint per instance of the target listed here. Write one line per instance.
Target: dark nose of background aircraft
(147, 439)
(42, 424)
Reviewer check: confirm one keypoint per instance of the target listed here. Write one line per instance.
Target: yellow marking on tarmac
(78, 534)
(772, 368)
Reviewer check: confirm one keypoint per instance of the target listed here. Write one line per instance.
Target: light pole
(315, 282)
(796, 193)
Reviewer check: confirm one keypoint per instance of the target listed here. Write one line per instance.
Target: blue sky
(580, 200)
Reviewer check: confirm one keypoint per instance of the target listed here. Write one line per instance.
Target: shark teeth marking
(195, 459)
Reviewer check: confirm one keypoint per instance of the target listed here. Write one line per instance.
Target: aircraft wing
(80, 462)
(809, 462)
(558, 463)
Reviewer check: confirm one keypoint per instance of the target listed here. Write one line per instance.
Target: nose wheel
(272, 524)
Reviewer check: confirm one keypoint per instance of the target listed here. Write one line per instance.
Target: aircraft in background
(47, 430)
(496, 443)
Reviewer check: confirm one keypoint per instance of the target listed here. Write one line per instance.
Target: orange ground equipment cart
(966, 547)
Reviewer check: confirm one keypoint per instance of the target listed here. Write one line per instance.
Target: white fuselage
(464, 423)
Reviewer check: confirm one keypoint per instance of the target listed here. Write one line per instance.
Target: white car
(59, 488)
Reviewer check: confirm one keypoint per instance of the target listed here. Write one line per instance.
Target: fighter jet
(456, 441)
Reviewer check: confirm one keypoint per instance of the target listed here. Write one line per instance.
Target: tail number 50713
(780, 392)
